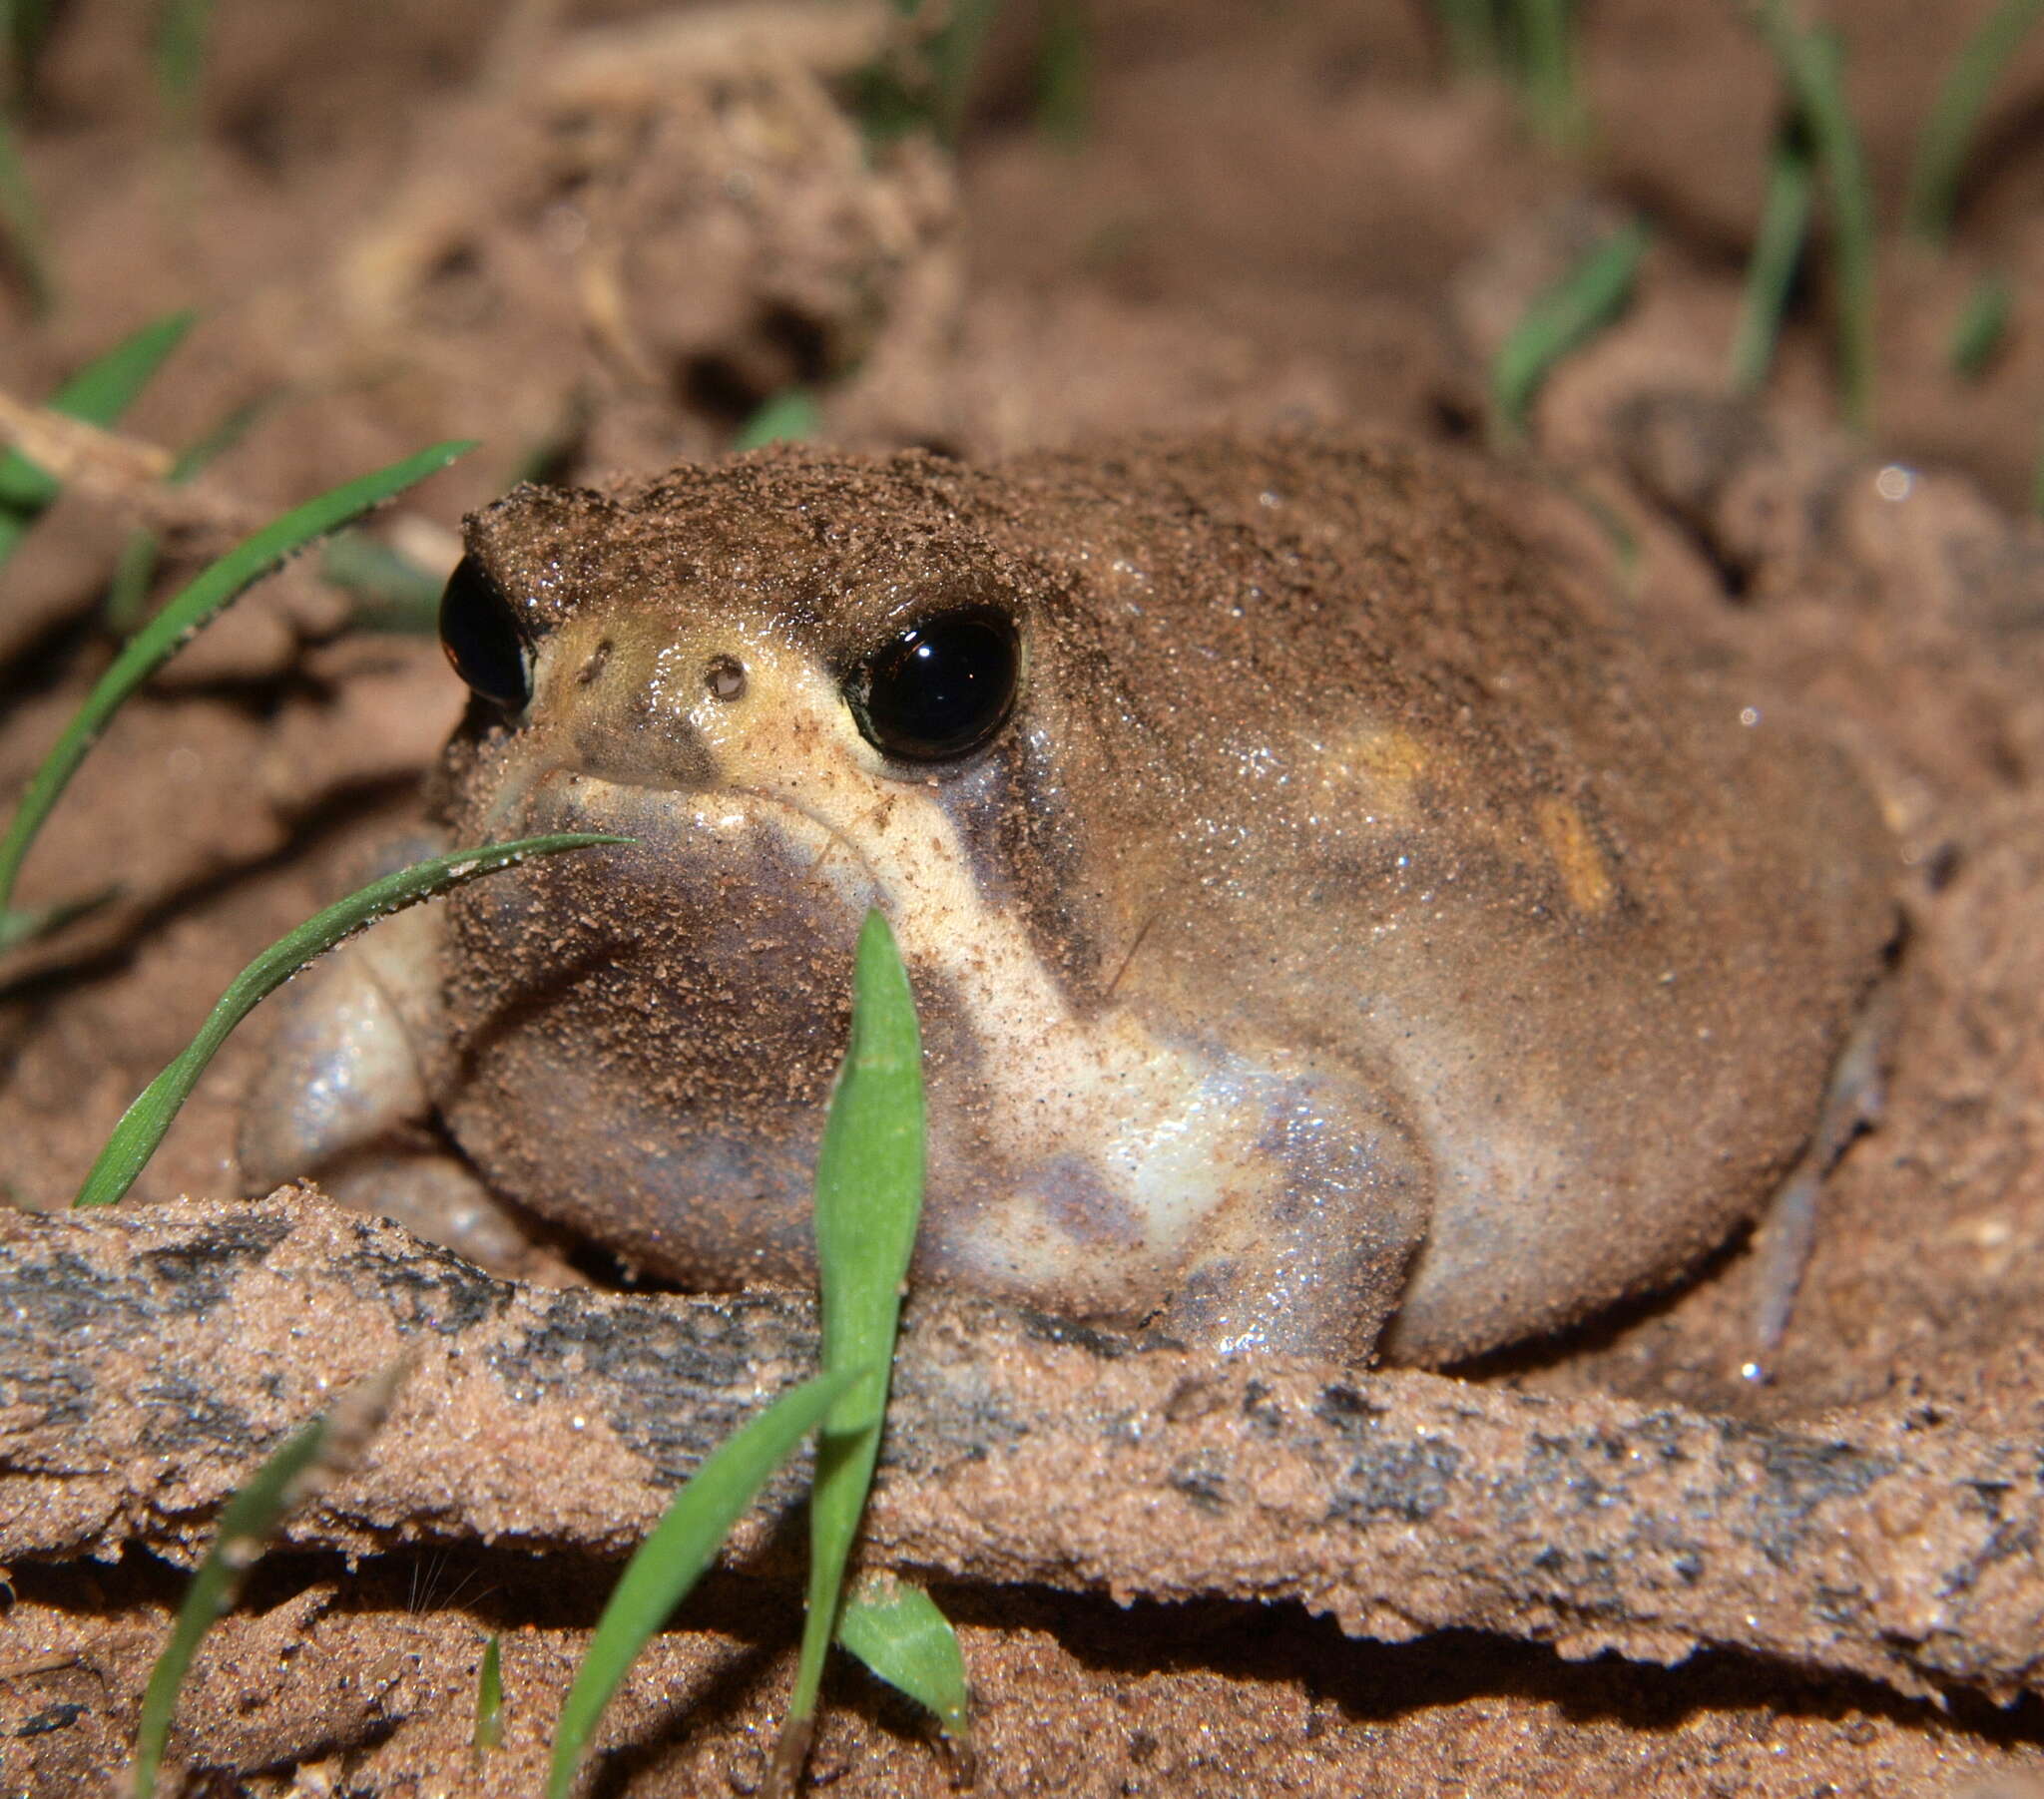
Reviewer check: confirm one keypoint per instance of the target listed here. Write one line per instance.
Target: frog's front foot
(351, 1054)
(1314, 1264)
(347, 1098)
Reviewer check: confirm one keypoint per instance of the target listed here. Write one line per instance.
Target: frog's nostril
(599, 660)
(724, 677)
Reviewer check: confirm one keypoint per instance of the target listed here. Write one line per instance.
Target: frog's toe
(431, 1191)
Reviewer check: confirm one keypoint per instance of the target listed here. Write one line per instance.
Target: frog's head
(767, 629)
(805, 685)
(818, 660)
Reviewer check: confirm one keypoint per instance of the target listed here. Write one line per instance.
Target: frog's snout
(650, 714)
(649, 747)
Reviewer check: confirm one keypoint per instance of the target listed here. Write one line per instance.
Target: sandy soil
(597, 236)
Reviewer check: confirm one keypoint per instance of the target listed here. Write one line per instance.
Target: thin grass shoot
(24, 924)
(1608, 520)
(1981, 328)
(1947, 136)
(1547, 71)
(305, 1458)
(1470, 30)
(22, 233)
(161, 638)
(1589, 298)
(927, 85)
(143, 1125)
(869, 1181)
(675, 1553)
(178, 56)
(135, 569)
(24, 31)
(1776, 253)
(1812, 66)
(489, 1695)
(789, 416)
(97, 395)
(955, 54)
(1064, 74)
(897, 1629)
(388, 589)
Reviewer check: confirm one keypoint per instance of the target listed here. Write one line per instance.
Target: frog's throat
(1167, 1133)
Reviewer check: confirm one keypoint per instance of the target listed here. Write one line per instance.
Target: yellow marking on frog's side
(1585, 876)
(1380, 766)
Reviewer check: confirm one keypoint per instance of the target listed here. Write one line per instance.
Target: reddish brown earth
(596, 236)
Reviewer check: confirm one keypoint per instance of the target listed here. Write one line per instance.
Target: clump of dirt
(598, 236)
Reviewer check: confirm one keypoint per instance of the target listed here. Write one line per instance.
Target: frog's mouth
(690, 820)
(798, 826)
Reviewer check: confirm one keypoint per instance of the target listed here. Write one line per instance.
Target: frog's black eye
(940, 689)
(480, 634)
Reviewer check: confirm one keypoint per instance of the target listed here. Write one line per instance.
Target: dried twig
(148, 1357)
(126, 474)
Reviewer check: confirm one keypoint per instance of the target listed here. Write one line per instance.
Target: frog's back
(1423, 809)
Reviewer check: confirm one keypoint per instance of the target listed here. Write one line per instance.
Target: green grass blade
(886, 107)
(24, 31)
(181, 29)
(1948, 134)
(128, 587)
(161, 638)
(1812, 68)
(144, 1124)
(128, 591)
(249, 1518)
(232, 426)
(788, 417)
(247, 1522)
(19, 927)
(1568, 314)
(955, 56)
(869, 1174)
(98, 394)
(21, 224)
(1064, 74)
(897, 1629)
(1470, 28)
(673, 1557)
(1546, 56)
(489, 1696)
(1777, 248)
(1981, 328)
(1609, 522)
(932, 88)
